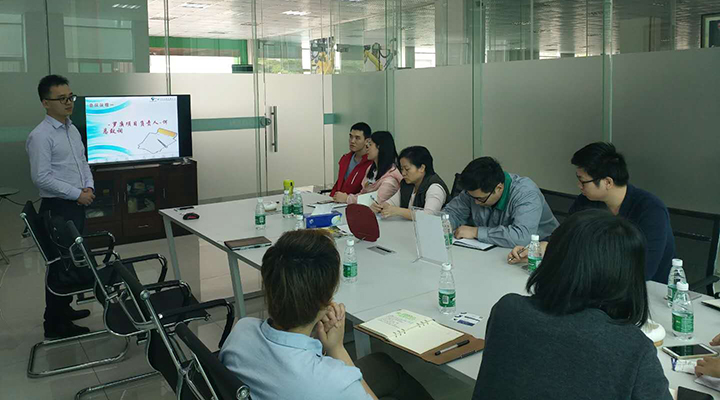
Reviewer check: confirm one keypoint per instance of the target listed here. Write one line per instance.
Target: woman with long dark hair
(383, 176)
(421, 186)
(577, 335)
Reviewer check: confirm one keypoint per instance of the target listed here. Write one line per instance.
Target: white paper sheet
(367, 199)
(321, 209)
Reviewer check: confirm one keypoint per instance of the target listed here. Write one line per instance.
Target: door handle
(272, 110)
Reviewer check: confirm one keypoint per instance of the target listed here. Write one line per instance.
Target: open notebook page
(396, 323)
(428, 337)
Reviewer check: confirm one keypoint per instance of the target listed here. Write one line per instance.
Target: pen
(519, 254)
(455, 346)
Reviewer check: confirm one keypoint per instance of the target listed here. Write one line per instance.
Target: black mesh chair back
(456, 188)
(39, 233)
(696, 243)
(223, 382)
(559, 203)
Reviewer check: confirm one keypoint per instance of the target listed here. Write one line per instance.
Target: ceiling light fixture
(297, 13)
(127, 6)
(199, 6)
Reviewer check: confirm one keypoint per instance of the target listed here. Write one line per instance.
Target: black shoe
(75, 315)
(63, 330)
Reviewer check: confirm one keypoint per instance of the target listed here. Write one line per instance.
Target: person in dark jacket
(603, 179)
(578, 335)
(421, 186)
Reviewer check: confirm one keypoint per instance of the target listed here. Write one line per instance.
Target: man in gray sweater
(499, 208)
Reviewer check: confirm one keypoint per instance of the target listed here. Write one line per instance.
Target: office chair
(456, 188)
(187, 375)
(121, 311)
(223, 383)
(38, 229)
(559, 203)
(696, 243)
(696, 240)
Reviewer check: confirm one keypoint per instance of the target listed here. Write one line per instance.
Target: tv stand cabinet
(128, 198)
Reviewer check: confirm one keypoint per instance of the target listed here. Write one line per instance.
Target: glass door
(292, 60)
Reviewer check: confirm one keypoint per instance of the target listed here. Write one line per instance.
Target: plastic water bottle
(447, 230)
(446, 292)
(297, 203)
(534, 254)
(350, 264)
(683, 317)
(299, 222)
(287, 207)
(677, 274)
(259, 214)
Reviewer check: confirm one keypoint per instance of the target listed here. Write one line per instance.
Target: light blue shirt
(58, 166)
(279, 365)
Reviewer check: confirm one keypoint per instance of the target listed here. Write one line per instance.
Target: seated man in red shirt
(354, 165)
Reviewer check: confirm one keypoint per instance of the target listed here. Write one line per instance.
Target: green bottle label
(287, 209)
(349, 270)
(259, 220)
(533, 263)
(446, 299)
(448, 239)
(672, 289)
(683, 323)
(298, 209)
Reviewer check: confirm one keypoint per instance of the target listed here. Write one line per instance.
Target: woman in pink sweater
(383, 176)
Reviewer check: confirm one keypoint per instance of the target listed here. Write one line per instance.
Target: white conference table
(390, 282)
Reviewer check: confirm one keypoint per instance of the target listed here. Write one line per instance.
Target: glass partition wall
(279, 83)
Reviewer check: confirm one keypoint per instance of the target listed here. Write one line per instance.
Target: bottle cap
(446, 266)
(535, 238)
(683, 286)
(260, 200)
(676, 262)
(287, 191)
(351, 242)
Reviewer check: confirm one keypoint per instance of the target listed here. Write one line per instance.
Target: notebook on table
(421, 336)
(712, 303)
(473, 244)
(248, 243)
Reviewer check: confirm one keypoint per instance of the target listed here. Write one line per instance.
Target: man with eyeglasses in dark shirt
(60, 171)
(604, 183)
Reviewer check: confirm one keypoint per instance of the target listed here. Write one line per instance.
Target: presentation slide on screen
(131, 128)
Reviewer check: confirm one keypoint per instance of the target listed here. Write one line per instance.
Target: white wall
(666, 114)
(358, 97)
(433, 108)
(536, 114)
(226, 159)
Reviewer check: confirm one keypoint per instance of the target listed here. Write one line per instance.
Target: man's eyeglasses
(582, 182)
(481, 200)
(65, 100)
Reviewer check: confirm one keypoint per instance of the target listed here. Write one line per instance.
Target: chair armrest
(206, 306)
(150, 257)
(110, 246)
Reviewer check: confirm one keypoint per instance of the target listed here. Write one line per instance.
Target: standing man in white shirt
(60, 171)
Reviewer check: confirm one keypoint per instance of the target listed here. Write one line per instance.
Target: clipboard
(475, 345)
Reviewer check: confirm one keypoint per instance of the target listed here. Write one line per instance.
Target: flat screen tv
(134, 129)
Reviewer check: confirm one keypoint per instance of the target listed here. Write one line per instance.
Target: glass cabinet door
(107, 200)
(140, 194)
